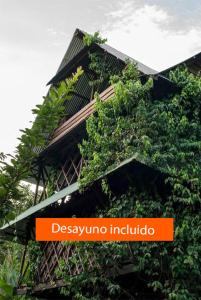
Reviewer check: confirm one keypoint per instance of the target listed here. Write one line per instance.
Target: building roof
(19, 226)
(77, 49)
(193, 64)
(120, 55)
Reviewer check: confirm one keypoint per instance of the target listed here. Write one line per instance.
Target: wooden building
(62, 152)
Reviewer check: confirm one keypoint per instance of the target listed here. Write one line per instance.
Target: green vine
(90, 39)
(100, 63)
(34, 259)
(164, 134)
(116, 131)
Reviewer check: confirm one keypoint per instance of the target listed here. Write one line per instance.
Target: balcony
(79, 117)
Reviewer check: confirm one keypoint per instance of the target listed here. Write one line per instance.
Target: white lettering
(55, 227)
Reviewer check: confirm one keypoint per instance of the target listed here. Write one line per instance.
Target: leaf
(7, 289)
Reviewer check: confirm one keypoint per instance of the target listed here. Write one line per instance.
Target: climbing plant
(164, 134)
(100, 63)
(113, 131)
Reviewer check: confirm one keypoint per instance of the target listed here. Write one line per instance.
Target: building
(62, 152)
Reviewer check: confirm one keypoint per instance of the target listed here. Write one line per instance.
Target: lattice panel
(69, 172)
(53, 252)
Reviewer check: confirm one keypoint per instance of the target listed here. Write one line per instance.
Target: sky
(34, 35)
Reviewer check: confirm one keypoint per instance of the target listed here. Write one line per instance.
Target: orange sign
(104, 229)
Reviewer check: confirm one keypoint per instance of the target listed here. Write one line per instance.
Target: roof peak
(77, 46)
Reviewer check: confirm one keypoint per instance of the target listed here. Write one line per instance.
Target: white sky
(34, 35)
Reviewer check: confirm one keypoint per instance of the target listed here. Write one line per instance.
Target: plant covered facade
(113, 138)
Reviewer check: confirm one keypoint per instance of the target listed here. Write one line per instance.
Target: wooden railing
(79, 117)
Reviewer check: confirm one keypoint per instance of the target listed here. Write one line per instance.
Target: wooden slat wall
(80, 116)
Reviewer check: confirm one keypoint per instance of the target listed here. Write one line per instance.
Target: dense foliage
(101, 65)
(164, 134)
